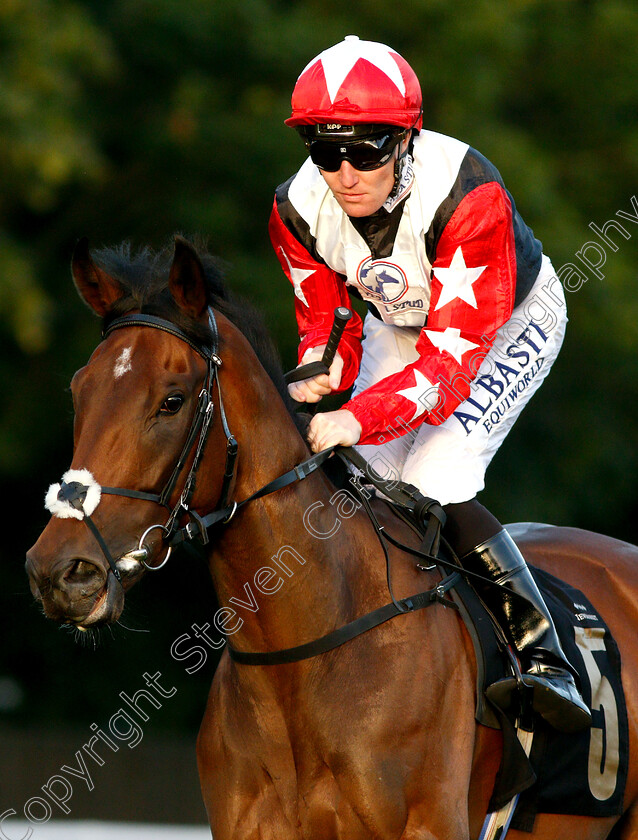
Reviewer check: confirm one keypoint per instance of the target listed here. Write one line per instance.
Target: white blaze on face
(123, 363)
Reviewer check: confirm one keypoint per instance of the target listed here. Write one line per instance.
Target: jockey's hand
(333, 428)
(312, 390)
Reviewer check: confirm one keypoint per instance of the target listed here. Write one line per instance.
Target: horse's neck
(286, 583)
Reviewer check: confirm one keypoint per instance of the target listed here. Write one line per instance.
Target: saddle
(542, 770)
(580, 773)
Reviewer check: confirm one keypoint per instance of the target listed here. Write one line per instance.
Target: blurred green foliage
(135, 119)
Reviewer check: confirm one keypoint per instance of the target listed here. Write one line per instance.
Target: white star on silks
(457, 280)
(418, 392)
(345, 55)
(450, 341)
(297, 275)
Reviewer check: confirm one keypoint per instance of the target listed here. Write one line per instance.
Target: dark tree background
(136, 119)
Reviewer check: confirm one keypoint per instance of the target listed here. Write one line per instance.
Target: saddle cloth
(580, 773)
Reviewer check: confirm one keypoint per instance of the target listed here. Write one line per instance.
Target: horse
(375, 738)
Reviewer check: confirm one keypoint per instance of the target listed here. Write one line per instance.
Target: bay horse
(374, 739)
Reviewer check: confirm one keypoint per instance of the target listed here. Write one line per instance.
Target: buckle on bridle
(196, 528)
(304, 470)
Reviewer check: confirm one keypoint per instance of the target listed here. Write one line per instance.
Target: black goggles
(365, 155)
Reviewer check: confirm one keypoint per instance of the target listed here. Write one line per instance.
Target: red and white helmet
(357, 82)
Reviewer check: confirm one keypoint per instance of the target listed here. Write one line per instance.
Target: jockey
(465, 318)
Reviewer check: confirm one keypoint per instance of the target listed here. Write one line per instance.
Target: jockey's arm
(318, 292)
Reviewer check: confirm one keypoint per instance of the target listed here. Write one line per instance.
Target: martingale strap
(349, 631)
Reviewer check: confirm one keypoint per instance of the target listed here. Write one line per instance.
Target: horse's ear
(96, 288)
(186, 281)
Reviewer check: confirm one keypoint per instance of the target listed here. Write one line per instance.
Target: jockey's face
(360, 193)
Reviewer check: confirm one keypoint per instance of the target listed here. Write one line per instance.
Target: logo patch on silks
(383, 281)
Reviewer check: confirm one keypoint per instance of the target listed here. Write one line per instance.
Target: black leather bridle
(197, 526)
(74, 493)
(198, 433)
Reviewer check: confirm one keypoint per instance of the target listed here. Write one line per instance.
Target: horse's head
(135, 402)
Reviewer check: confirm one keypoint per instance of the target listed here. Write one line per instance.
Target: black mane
(143, 275)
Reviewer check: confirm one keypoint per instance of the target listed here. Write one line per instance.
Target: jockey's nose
(348, 174)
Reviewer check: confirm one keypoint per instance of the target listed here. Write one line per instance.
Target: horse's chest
(349, 782)
(355, 801)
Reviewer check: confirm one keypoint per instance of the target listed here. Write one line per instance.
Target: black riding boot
(530, 629)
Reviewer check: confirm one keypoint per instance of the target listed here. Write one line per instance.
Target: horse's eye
(172, 404)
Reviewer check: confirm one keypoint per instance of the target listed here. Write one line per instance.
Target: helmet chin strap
(403, 177)
(399, 166)
(403, 160)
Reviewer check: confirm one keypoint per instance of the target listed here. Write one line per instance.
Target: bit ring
(141, 546)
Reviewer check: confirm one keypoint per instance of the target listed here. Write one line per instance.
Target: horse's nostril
(82, 572)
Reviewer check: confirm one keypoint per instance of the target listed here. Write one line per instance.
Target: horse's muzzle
(77, 591)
